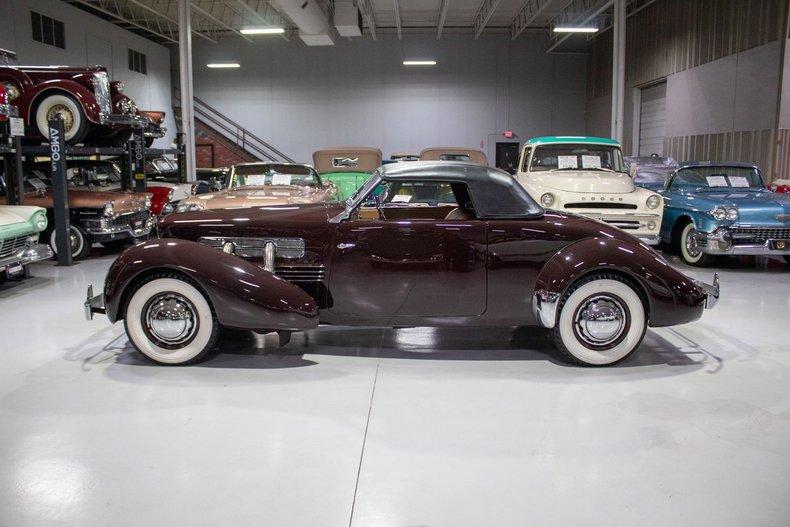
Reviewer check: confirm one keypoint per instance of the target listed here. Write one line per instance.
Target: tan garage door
(652, 119)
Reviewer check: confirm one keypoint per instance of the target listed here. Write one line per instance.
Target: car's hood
(582, 181)
(13, 214)
(123, 202)
(754, 206)
(269, 195)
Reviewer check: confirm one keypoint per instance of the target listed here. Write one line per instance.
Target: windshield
(163, 164)
(577, 157)
(372, 181)
(272, 174)
(711, 177)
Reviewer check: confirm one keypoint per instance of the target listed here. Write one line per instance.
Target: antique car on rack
(6, 110)
(109, 218)
(454, 153)
(587, 176)
(217, 178)
(106, 175)
(19, 246)
(348, 167)
(265, 184)
(496, 258)
(651, 172)
(94, 110)
(724, 208)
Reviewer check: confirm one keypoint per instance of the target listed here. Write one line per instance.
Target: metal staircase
(239, 136)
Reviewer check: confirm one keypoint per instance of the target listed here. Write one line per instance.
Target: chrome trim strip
(249, 247)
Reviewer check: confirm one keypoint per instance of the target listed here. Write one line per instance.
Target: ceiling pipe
(311, 20)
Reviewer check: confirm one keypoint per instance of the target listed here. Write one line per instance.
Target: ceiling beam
(526, 15)
(396, 5)
(171, 23)
(484, 14)
(207, 14)
(270, 17)
(587, 15)
(366, 8)
(442, 17)
(107, 9)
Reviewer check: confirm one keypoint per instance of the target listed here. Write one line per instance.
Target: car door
(385, 269)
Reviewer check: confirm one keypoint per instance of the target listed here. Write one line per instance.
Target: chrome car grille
(129, 219)
(11, 246)
(758, 235)
(301, 273)
(624, 224)
(102, 92)
(253, 247)
(601, 205)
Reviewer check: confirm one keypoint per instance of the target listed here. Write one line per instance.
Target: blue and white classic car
(723, 208)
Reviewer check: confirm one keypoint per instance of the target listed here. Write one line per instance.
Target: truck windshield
(577, 157)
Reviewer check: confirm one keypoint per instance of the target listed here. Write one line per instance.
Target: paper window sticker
(567, 162)
(739, 181)
(716, 181)
(401, 198)
(255, 179)
(281, 179)
(591, 161)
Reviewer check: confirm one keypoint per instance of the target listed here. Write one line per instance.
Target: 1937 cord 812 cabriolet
(493, 257)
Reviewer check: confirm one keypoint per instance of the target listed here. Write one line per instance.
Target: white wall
(90, 41)
(302, 98)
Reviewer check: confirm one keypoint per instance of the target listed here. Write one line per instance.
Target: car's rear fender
(243, 295)
(671, 297)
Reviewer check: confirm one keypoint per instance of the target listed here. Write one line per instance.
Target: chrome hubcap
(64, 112)
(171, 319)
(692, 244)
(600, 321)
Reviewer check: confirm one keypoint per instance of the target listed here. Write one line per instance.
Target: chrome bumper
(711, 291)
(94, 304)
(8, 110)
(124, 119)
(650, 240)
(721, 242)
(34, 253)
(544, 304)
(97, 228)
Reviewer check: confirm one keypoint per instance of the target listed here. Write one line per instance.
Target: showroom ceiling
(215, 19)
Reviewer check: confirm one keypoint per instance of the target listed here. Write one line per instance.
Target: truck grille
(11, 246)
(133, 219)
(758, 235)
(601, 205)
(301, 273)
(624, 224)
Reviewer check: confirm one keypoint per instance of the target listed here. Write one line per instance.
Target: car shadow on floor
(242, 349)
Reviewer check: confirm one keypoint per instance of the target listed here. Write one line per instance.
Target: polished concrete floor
(381, 427)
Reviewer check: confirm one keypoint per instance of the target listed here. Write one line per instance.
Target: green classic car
(348, 167)
(19, 228)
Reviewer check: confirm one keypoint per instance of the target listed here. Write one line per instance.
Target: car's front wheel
(601, 321)
(689, 248)
(78, 241)
(75, 123)
(170, 321)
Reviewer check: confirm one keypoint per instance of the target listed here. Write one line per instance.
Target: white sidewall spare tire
(57, 100)
(613, 295)
(142, 304)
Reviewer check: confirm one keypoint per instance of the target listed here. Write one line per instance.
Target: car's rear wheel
(689, 248)
(75, 123)
(601, 321)
(170, 321)
(78, 241)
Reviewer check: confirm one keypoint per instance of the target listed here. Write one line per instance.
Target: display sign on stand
(60, 193)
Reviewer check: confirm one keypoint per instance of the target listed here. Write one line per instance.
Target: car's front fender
(84, 96)
(243, 295)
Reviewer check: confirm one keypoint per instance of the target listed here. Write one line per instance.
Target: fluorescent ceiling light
(419, 63)
(263, 31)
(572, 29)
(223, 65)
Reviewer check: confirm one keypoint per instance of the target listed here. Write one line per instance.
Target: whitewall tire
(689, 251)
(78, 240)
(74, 121)
(171, 322)
(601, 321)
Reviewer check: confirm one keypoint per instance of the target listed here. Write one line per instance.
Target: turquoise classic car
(19, 228)
(715, 208)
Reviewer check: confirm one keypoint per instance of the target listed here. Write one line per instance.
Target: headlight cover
(732, 213)
(547, 199)
(654, 201)
(725, 213)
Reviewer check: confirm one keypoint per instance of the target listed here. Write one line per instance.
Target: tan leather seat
(459, 214)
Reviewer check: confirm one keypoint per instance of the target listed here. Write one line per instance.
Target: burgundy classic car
(492, 257)
(6, 110)
(94, 110)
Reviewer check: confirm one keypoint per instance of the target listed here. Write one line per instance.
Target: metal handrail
(232, 131)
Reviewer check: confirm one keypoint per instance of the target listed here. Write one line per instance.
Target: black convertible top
(495, 193)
